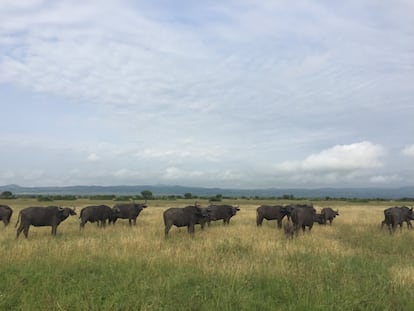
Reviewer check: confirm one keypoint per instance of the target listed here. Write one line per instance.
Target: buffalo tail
(18, 219)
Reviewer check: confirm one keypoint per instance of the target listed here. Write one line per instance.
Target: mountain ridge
(158, 190)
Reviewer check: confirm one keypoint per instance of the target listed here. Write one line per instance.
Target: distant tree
(6, 194)
(216, 198)
(147, 195)
(188, 195)
(42, 198)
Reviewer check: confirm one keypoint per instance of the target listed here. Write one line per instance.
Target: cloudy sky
(235, 94)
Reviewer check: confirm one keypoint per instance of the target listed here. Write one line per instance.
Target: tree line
(148, 195)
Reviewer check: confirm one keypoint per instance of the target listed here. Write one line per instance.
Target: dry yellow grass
(350, 253)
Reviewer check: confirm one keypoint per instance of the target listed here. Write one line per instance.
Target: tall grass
(351, 265)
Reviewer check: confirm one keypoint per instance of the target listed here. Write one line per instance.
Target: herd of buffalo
(299, 216)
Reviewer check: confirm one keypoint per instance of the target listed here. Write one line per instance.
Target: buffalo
(187, 216)
(42, 216)
(271, 212)
(329, 214)
(302, 217)
(97, 213)
(319, 218)
(128, 211)
(396, 216)
(5, 214)
(225, 212)
(206, 217)
(289, 208)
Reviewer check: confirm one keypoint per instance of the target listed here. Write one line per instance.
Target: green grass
(351, 265)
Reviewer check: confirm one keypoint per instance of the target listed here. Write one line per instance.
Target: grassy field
(351, 265)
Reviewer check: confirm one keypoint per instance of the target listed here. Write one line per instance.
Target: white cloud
(363, 155)
(174, 173)
(212, 95)
(408, 151)
(384, 179)
(93, 157)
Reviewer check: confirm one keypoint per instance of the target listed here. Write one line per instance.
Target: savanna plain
(351, 265)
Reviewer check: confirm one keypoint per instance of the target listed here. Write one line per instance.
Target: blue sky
(236, 94)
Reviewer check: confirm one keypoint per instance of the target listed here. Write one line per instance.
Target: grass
(351, 265)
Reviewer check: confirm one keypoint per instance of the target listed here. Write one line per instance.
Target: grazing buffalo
(302, 217)
(270, 212)
(183, 217)
(128, 211)
(5, 214)
(396, 216)
(42, 216)
(329, 214)
(224, 212)
(98, 213)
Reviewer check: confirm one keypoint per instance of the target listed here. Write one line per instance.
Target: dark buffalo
(128, 211)
(225, 212)
(270, 212)
(329, 214)
(183, 217)
(42, 216)
(302, 217)
(205, 219)
(405, 211)
(319, 218)
(396, 216)
(289, 208)
(97, 213)
(5, 214)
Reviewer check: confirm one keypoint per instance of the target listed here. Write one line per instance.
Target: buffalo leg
(19, 230)
(26, 231)
(191, 229)
(259, 220)
(54, 230)
(279, 223)
(167, 229)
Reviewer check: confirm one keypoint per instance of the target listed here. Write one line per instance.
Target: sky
(231, 94)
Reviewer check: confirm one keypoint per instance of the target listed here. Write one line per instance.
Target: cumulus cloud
(408, 151)
(249, 82)
(175, 173)
(93, 157)
(384, 179)
(362, 155)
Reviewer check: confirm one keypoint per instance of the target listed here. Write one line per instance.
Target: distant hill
(361, 193)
